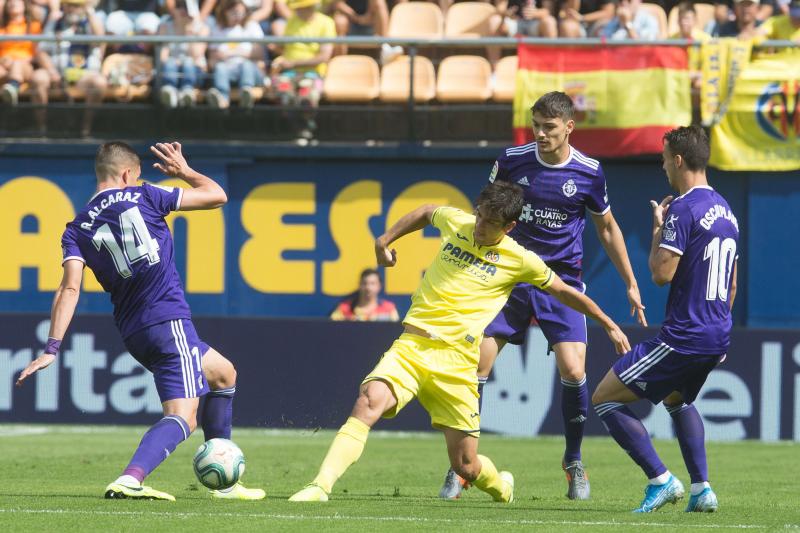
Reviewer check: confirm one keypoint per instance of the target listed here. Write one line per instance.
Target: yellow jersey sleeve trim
(549, 280)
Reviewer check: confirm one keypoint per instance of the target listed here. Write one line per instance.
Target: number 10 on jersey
(721, 257)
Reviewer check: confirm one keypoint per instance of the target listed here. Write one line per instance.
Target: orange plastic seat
(464, 79)
(469, 19)
(416, 19)
(352, 78)
(505, 79)
(395, 80)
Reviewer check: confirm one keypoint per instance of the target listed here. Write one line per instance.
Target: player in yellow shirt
(436, 357)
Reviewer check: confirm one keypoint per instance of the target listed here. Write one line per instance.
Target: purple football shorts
(558, 322)
(172, 351)
(653, 370)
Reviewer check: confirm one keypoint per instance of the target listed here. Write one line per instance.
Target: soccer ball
(218, 464)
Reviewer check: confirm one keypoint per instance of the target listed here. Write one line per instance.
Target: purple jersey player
(121, 235)
(694, 249)
(560, 185)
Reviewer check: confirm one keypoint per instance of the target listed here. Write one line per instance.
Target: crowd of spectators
(244, 72)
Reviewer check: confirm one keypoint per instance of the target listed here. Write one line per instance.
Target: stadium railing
(413, 47)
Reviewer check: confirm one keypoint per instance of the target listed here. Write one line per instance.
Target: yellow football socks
(344, 451)
(490, 482)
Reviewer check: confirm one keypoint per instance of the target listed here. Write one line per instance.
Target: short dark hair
(503, 199)
(686, 7)
(369, 272)
(111, 155)
(555, 104)
(691, 143)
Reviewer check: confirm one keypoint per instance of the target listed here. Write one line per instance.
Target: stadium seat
(505, 79)
(129, 76)
(464, 79)
(395, 80)
(352, 78)
(658, 12)
(416, 19)
(469, 19)
(705, 13)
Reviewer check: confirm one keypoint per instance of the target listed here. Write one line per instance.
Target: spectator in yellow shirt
(299, 70)
(784, 27)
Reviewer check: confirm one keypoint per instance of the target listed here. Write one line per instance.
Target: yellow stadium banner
(722, 61)
(760, 129)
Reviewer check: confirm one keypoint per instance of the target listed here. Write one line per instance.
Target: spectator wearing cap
(783, 27)
(183, 64)
(17, 57)
(235, 62)
(299, 70)
(631, 22)
(77, 64)
(745, 23)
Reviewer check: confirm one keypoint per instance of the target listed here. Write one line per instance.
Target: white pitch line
(22, 431)
(384, 519)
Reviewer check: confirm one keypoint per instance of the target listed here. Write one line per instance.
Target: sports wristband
(52, 346)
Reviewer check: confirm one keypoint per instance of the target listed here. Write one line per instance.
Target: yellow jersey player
(436, 357)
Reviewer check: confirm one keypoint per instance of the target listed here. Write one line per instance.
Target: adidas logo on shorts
(641, 384)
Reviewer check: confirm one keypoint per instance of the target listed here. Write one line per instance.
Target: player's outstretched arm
(64, 303)
(413, 221)
(613, 242)
(587, 306)
(205, 192)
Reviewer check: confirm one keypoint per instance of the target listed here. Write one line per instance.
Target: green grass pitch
(53, 479)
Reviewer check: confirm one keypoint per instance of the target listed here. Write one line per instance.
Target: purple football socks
(631, 435)
(691, 437)
(217, 416)
(574, 408)
(156, 445)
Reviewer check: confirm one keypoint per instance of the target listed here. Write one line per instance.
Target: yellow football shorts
(443, 378)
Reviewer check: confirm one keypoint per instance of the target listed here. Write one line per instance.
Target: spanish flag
(627, 97)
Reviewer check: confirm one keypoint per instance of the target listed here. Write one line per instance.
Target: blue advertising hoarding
(305, 374)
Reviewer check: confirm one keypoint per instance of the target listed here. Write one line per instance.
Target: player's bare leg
(571, 362)
(180, 419)
(217, 416)
(479, 470)
(489, 349)
(689, 429)
(374, 399)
